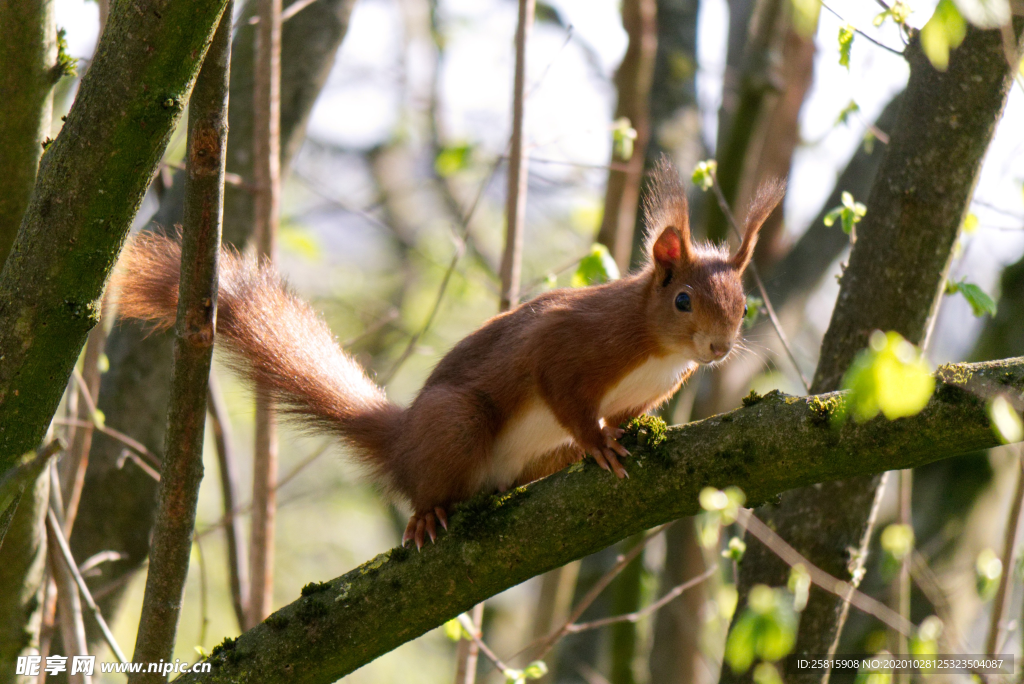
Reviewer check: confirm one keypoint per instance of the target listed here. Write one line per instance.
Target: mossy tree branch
(774, 445)
(91, 181)
(28, 71)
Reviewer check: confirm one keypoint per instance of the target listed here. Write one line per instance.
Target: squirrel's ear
(671, 247)
(768, 197)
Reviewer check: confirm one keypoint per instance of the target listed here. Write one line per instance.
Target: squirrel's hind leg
(448, 441)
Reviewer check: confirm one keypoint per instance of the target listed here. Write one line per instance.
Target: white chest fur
(535, 431)
(651, 380)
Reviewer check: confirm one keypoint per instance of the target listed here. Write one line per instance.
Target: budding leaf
(944, 31)
(980, 302)
(845, 45)
(597, 267)
(703, 174)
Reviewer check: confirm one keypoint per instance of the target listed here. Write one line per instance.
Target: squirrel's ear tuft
(768, 197)
(667, 217)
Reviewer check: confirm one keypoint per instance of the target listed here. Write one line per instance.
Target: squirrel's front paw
(605, 455)
(424, 522)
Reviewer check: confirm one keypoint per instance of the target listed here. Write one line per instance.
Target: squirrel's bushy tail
(275, 340)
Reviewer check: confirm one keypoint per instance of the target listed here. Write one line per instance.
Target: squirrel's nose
(719, 349)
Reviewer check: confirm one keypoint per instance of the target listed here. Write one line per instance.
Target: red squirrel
(531, 391)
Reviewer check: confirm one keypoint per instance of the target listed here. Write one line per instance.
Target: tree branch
(91, 181)
(28, 71)
(496, 542)
(182, 470)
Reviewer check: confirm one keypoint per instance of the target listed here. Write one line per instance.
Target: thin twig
(247, 507)
(844, 590)
(77, 460)
(548, 642)
(724, 205)
(267, 174)
(460, 244)
(69, 604)
(129, 455)
(233, 532)
(295, 8)
(858, 31)
(138, 447)
(1000, 604)
(204, 618)
(518, 169)
(474, 633)
(644, 612)
(53, 527)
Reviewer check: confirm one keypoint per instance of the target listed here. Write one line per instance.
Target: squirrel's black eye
(745, 308)
(683, 301)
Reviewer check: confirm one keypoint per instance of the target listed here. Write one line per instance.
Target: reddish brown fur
(566, 349)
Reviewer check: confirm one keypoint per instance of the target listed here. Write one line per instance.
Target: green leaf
(800, 586)
(536, 669)
(754, 305)
(970, 224)
(844, 115)
(898, 541)
(453, 159)
(623, 137)
(889, 376)
(1005, 421)
(703, 174)
(845, 45)
(850, 212)
(899, 12)
(454, 630)
(737, 547)
(766, 673)
(980, 302)
(597, 267)
(766, 630)
(987, 569)
(943, 32)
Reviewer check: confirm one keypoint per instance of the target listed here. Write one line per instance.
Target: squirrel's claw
(616, 467)
(599, 457)
(423, 525)
(442, 517)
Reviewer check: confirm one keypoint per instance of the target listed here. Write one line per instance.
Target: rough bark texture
(91, 181)
(496, 542)
(893, 282)
(22, 562)
(182, 470)
(28, 71)
(118, 504)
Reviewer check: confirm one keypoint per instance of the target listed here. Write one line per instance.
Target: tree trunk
(894, 281)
